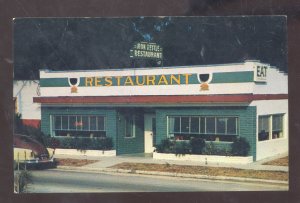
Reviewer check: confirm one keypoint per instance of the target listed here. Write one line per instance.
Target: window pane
(210, 125)
(64, 122)
(93, 125)
(277, 125)
(85, 123)
(263, 128)
(72, 122)
(277, 122)
(78, 123)
(202, 125)
(185, 124)
(100, 123)
(221, 125)
(174, 124)
(194, 124)
(232, 126)
(177, 124)
(57, 120)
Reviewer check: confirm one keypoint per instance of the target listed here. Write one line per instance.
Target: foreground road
(56, 181)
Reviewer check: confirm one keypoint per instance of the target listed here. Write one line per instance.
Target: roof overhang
(159, 100)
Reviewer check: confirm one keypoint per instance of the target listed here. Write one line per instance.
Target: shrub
(85, 143)
(166, 146)
(49, 141)
(106, 144)
(210, 149)
(240, 147)
(197, 145)
(67, 143)
(182, 148)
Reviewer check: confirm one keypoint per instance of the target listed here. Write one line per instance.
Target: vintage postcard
(150, 104)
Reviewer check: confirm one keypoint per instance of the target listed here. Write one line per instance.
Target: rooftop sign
(146, 50)
(260, 73)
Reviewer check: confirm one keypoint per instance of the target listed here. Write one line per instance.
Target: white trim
(76, 152)
(204, 158)
(230, 67)
(183, 89)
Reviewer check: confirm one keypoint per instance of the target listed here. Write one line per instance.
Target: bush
(182, 148)
(66, 143)
(106, 144)
(166, 146)
(240, 147)
(197, 145)
(212, 149)
(85, 143)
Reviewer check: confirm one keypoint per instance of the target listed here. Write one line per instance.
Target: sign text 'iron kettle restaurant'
(146, 50)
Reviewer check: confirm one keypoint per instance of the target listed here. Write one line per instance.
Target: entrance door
(149, 131)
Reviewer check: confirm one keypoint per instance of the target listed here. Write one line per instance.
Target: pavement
(104, 164)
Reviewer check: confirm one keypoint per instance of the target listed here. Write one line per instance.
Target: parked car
(29, 152)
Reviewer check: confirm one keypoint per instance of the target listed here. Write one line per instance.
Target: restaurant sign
(146, 50)
(260, 73)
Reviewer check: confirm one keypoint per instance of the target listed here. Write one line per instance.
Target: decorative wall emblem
(204, 86)
(204, 79)
(74, 82)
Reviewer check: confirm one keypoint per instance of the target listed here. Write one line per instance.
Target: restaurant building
(138, 108)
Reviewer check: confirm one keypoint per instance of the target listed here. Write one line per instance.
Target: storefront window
(93, 122)
(195, 125)
(210, 125)
(79, 126)
(101, 123)
(232, 126)
(277, 126)
(221, 125)
(270, 124)
(174, 124)
(185, 125)
(72, 122)
(209, 128)
(85, 123)
(263, 128)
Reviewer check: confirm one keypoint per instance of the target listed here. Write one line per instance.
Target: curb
(182, 175)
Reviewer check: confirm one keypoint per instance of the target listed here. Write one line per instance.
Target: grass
(279, 162)
(203, 170)
(74, 162)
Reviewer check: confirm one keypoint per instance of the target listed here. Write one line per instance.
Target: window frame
(202, 118)
(76, 129)
(271, 130)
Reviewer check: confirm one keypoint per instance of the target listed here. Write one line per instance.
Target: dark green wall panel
(247, 120)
